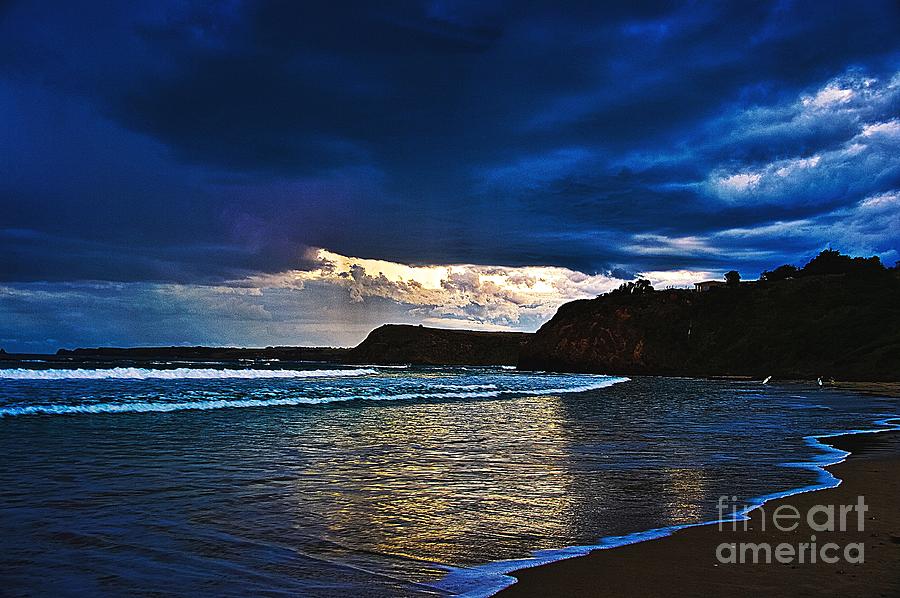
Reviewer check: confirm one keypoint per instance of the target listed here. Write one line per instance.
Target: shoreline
(568, 570)
(681, 560)
(166, 356)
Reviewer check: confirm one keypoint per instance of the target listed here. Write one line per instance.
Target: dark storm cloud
(193, 142)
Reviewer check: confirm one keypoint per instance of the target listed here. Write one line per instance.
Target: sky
(297, 173)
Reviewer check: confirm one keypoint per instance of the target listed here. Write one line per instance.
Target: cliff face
(400, 344)
(845, 327)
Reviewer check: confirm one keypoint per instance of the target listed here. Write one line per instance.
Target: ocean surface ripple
(241, 479)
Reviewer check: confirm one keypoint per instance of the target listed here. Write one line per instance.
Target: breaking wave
(585, 388)
(205, 405)
(173, 374)
(466, 386)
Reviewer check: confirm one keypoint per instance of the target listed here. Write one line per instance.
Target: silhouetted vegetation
(831, 261)
(828, 262)
(785, 272)
(733, 278)
(637, 287)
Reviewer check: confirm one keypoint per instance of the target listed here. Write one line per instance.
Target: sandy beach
(686, 564)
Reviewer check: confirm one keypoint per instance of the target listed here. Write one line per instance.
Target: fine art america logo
(820, 519)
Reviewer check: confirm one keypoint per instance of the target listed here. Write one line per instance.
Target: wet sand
(685, 564)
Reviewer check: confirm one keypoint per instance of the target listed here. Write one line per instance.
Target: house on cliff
(702, 287)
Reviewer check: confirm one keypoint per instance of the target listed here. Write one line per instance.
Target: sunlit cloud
(484, 297)
(336, 301)
(499, 295)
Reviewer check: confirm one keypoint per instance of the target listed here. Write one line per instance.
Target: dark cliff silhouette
(387, 344)
(836, 317)
(398, 344)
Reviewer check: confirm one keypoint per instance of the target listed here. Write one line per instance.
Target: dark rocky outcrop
(206, 353)
(400, 344)
(388, 344)
(845, 326)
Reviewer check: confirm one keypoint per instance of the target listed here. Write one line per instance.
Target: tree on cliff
(831, 261)
(638, 287)
(784, 272)
(733, 278)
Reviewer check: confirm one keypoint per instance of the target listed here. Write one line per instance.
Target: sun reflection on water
(407, 490)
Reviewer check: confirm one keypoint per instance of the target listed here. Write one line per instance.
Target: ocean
(284, 479)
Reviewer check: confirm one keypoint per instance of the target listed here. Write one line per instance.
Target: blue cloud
(180, 142)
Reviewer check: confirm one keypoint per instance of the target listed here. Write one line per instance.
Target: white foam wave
(145, 407)
(596, 386)
(173, 374)
(465, 386)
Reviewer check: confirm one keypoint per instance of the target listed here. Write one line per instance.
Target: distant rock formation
(401, 344)
(207, 353)
(845, 326)
(388, 344)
